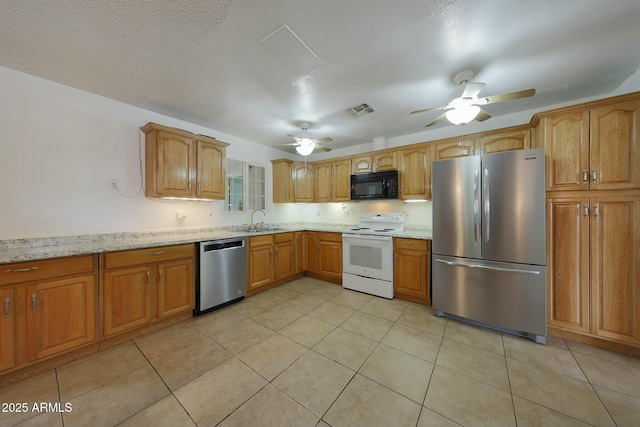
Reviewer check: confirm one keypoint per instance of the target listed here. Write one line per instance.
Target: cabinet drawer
(329, 237)
(283, 237)
(265, 239)
(45, 269)
(417, 244)
(147, 255)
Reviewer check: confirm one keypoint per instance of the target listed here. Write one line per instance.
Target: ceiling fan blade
(429, 109)
(322, 148)
(436, 120)
(511, 95)
(321, 140)
(290, 143)
(482, 116)
(472, 89)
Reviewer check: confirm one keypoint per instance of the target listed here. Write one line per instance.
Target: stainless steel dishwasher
(222, 274)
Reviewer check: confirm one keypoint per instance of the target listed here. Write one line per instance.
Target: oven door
(368, 256)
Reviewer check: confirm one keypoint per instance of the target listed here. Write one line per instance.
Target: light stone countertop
(19, 250)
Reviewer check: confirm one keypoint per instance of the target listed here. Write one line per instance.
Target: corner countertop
(20, 250)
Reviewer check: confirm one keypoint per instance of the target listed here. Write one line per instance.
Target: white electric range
(367, 253)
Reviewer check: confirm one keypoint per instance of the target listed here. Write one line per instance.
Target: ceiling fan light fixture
(306, 146)
(463, 114)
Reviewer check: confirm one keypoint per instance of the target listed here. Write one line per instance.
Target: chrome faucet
(252, 226)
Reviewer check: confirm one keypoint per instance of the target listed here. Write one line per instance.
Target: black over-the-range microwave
(375, 185)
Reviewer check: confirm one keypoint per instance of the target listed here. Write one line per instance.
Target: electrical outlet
(113, 184)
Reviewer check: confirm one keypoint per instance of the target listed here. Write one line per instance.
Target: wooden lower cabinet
(272, 259)
(330, 255)
(142, 286)
(285, 259)
(412, 270)
(593, 265)
(62, 316)
(48, 308)
(7, 325)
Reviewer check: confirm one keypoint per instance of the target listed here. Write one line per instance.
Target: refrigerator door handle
(476, 203)
(486, 205)
(485, 267)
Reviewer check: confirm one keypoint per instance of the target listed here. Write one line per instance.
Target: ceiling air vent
(360, 110)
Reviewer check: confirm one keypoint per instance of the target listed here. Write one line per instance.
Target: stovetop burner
(384, 223)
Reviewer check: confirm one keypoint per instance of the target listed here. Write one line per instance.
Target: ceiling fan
(466, 107)
(304, 144)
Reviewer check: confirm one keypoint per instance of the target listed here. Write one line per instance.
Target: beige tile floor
(311, 353)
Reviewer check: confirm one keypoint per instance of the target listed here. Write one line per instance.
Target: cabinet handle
(6, 307)
(594, 176)
(189, 186)
(199, 186)
(585, 176)
(156, 253)
(160, 276)
(596, 212)
(21, 270)
(33, 302)
(148, 278)
(586, 210)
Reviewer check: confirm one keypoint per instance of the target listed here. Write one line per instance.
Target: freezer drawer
(507, 296)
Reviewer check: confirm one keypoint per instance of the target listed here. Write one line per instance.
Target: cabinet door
(175, 165)
(210, 170)
(615, 147)
(615, 267)
(282, 181)
(568, 263)
(566, 142)
(303, 182)
(384, 161)
(176, 287)
(126, 298)
(299, 251)
(6, 329)
(341, 176)
(330, 255)
(455, 147)
(61, 316)
(415, 174)
(311, 251)
(322, 175)
(361, 164)
(260, 266)
(284, 259)
(411, 270)
(508, 141)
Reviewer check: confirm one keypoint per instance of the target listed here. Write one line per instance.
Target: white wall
(59, 146)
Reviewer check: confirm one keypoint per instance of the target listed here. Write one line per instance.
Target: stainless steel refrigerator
(489, 248)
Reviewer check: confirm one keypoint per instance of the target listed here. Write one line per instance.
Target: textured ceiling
(254, 68)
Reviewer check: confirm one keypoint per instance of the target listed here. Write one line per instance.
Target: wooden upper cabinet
(615, 147)
(302, 182)
(595, 149)
(415, 173)
(505, 141)
(374, 162)
(182, 164)
(282, 180)
(323, 182)
(566, 142)
(172, 158)
(362, 164)
(210, 170)
(341, 177)
(454, 147)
